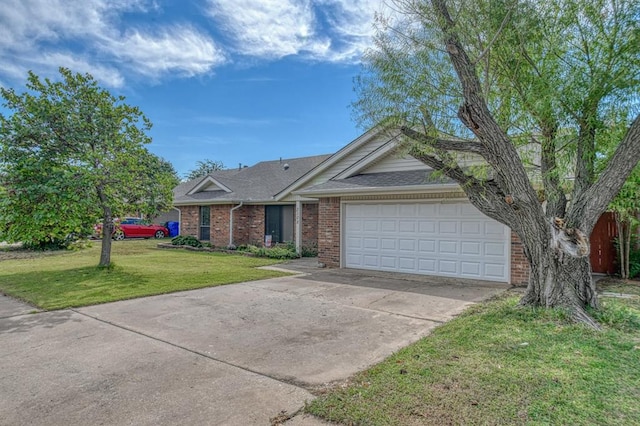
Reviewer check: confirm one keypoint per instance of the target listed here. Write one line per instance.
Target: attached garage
(450, 239)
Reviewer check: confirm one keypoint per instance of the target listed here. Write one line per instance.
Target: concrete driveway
(232, 355)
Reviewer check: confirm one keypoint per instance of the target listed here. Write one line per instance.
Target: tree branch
(458, 145)
(591, 203)
(475, 114)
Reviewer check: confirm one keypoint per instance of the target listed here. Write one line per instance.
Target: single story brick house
(243, 205)
(367, 206)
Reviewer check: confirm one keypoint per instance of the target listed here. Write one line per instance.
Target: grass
(72, 279)
(616, 285)
(500, 364)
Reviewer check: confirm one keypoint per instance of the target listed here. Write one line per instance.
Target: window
(205, 223)
(278, 223)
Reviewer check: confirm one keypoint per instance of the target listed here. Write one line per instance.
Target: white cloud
(351, 22)
(117, 40)
(269, 28)
(179, 49)
(330, 30)
(38, 34)
(108, 76)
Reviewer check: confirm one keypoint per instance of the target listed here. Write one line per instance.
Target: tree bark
(560, 272)
(559, 280)
(107, 231)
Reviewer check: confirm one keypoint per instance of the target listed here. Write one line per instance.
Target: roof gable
(209, 183)
(348, 156)
(256, 184)
(392, 161)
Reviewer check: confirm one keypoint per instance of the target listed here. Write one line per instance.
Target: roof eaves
(332, 192)
(344, 151)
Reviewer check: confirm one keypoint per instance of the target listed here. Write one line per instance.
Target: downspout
(231, 246)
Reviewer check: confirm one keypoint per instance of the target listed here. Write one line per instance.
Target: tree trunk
(559, 280)
(624, 244)
(107, 230)
(105, 252)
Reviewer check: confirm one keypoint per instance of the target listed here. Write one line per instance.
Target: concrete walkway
(233, 355)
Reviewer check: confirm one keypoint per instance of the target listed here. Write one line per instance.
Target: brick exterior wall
(309, 225)
(248, 225)
(329, 232)
(189, 220)
(519, 262)
(220, 225)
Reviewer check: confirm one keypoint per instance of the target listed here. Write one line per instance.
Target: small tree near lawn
(72, 154)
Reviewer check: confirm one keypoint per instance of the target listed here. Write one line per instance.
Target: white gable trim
(208, 181)
(369, 159)
(326, 164)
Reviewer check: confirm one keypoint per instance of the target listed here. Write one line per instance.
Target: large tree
(72, 154)
(203, 168)
(532, 89)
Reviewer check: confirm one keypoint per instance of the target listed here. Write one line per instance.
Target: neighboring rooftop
(255, 184)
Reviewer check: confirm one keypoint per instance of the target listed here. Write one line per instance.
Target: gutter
(231, 245)
(437, 188)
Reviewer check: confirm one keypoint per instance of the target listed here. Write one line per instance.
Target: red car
(132, 227)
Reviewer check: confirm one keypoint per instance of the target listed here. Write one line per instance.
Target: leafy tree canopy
(531, 90)
(71, 154)
(203, 168)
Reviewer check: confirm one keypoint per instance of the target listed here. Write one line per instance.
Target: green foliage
(309, 251)
(186, 240)
(618, 315)
(634, 263)
(70, 278)
(560, 76)
(276, 252)
(500, 363)
(70, 154)
(203, 168)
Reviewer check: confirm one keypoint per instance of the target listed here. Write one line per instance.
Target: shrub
(634, 263)
(277, 252)
(186, 240)
(309, 251)
(45, 245)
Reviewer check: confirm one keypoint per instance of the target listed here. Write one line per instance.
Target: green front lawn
(72, 279)
(499, 364)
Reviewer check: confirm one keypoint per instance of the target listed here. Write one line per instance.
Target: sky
(236, 81)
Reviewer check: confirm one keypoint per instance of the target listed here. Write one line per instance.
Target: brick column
(329, 232)
(310, 225)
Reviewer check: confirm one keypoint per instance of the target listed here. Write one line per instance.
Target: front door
(279, 223)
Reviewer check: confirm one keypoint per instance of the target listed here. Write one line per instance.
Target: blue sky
(239, 81)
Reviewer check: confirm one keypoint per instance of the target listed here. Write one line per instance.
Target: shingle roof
(380, 180)
(258, 183)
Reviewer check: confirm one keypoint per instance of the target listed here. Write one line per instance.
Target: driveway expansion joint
(290, 382)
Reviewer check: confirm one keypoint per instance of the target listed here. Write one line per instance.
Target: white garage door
(448, 239)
